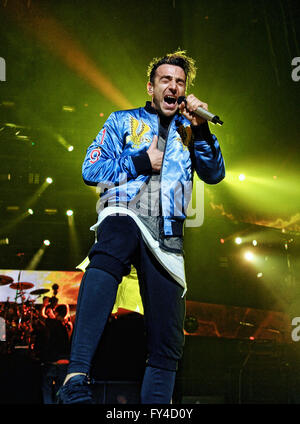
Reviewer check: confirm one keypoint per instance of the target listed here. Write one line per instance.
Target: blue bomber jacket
(117, 162)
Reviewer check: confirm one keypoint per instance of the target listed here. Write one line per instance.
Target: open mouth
(170, 100)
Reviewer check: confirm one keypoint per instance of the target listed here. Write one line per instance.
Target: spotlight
(259, 274)
(249, 256)
(68, 108)
(254, 242)
(49, 211)
(30, 211)
(69, 212)
(49, 180)
(4, 241)
(12, 208)
(242, 177)
(238, 240)
(70, 148)
(46, 242)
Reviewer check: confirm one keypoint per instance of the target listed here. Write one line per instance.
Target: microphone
(202, 112)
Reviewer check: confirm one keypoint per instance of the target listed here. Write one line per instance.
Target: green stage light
(238, 240)
(249, 256)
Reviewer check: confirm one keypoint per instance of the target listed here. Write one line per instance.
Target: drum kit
(20, 316)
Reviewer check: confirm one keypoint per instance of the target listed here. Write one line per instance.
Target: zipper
(161, 230)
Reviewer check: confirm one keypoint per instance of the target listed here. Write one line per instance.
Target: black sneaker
(76, 390)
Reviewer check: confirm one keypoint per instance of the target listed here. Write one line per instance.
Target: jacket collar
(150, 109)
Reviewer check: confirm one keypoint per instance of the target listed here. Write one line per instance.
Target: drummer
(46, 302)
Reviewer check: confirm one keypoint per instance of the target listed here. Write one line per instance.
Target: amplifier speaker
(236, 371)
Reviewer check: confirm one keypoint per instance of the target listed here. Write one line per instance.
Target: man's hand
(155, 155)
(192, 104)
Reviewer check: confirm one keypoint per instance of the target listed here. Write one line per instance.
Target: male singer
(144, 161)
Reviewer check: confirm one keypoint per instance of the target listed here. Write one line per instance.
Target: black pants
(120, 244)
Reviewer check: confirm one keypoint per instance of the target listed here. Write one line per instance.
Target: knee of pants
(170, 363)
(162, 363)
(109, 264)
(118, 238)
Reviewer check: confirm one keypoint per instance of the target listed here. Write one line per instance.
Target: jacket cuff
(202, 132)
(142, 163)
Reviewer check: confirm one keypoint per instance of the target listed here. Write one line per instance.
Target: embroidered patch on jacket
(186, 134)
(95, 155)
(138, 129)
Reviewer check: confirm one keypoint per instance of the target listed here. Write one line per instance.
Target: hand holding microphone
(196, 111)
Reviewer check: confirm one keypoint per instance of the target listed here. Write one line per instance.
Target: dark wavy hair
(178, 58)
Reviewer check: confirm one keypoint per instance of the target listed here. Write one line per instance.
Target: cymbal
(4, 279)
(39, 291)
(21, 286)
